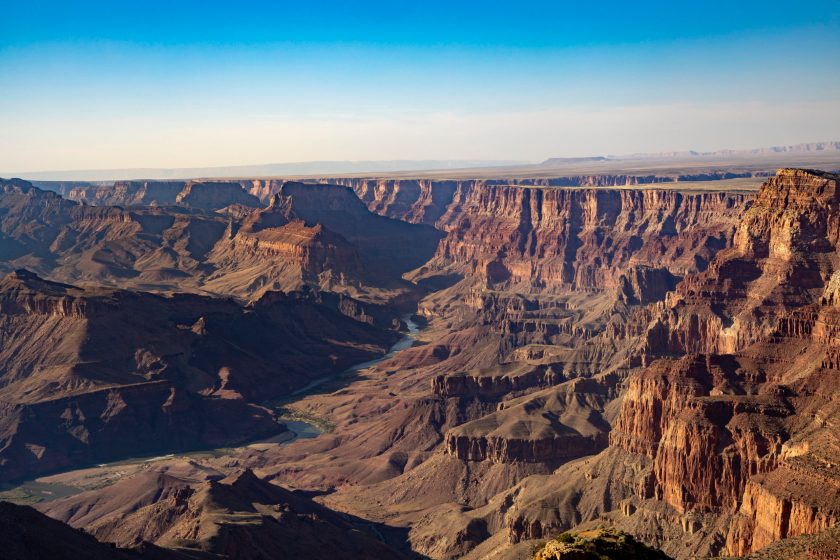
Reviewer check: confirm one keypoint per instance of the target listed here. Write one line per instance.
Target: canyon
(653, 352)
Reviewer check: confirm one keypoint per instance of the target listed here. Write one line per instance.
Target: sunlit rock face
(746, 430)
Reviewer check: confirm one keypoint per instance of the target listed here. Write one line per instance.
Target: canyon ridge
(423, 367)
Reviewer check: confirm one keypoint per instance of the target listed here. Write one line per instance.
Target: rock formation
(317, 236)
(214, 195)
(127, 193)
(551, 426)
(726, 437)
(240, 516)
(320, 235)
(742, 430)
(26, 534)
(94, 375)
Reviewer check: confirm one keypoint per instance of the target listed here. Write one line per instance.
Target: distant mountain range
(331, 168)
(551, 162)
(809, 147)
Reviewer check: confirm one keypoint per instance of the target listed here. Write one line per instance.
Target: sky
(116, 84)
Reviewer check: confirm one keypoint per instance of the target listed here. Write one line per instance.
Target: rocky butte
(607, 363)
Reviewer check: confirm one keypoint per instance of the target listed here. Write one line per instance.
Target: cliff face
(323, 236)
(415, 201)
(263, 189)
(495, 382)
(783, 257)
(506, 449)
(559, 274)
(273, 250)
(214, 195)
(205, 195)
(705, 436)
(128, 193)
(742, 431)
(386, 245)
(550, 426)
(426, 200)
(553, 239)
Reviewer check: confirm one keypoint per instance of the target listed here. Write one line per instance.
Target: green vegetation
(289, 413)
(20, 496)
(600, 544)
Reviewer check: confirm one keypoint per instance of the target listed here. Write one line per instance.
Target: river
(45, 489)
(405, 342)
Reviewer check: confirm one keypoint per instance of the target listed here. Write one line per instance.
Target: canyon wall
(710, 427)
(425, 200)
(741, 431)
(658, 360)
(537, 239)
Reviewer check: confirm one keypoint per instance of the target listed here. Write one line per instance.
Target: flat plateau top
(828, 161)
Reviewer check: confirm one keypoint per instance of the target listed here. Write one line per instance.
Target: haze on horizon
(103, 85)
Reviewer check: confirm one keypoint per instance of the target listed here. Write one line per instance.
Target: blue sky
(131, 84)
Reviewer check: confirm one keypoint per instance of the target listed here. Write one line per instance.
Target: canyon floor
(425, 366)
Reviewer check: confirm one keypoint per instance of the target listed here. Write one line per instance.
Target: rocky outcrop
(381, 242)
(774, 508)
(819, 546)
(782, 259)
(551, 426)
(289, 257)
(214, 195)
(24, 293)
(494, 383)
(263, 189)
(320, 236)
(740, 431)
(26, 534)
(127, 193)
(501, 449)
(239, 516)
(415, 201)
(642, 285)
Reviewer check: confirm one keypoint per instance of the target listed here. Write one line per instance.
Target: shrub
(565, 538)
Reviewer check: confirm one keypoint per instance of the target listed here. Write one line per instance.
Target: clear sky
(125, 83)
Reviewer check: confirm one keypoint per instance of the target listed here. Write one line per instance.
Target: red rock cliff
(748, 428)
